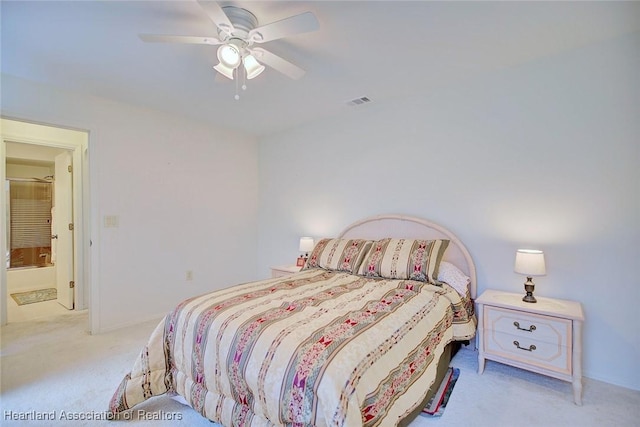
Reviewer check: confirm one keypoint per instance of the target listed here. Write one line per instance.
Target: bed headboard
(402, 226)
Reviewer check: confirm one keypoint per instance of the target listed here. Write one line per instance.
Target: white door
(63, 202)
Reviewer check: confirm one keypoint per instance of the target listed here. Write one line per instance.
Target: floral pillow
(338, 254)
(412, 259)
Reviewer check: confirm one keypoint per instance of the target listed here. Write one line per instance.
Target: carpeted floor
(54, 368)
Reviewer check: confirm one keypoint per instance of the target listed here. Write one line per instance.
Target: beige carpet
(54, 368)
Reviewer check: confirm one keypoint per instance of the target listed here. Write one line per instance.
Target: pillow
(338, 254)
(454, 277)
(404, 259)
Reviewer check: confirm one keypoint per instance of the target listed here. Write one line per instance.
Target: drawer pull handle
(531, 328)
(531, 347)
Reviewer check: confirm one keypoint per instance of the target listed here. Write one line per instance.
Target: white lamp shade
(229, 55)
(225, 71)
(530, 262)
(306, 244)
(252, 66)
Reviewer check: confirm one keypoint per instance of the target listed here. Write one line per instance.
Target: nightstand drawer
(528, 326)
(530, 351)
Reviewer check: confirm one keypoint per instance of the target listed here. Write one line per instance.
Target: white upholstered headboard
(401, 226)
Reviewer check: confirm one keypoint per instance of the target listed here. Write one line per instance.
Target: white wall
(545, 155)
(185, 195)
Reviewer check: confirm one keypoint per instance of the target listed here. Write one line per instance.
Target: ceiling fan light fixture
(224, 70)
(257, 37)
(252, 66)
(237, 32)
(229, 55)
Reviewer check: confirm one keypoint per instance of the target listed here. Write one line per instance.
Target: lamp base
(529, 287)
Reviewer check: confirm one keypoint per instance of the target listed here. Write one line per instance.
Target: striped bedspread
(317, 348)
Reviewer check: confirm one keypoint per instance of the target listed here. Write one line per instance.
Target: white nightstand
(543, 337)
(284, 270)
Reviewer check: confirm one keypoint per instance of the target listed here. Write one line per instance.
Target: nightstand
(284, 270)
(543, 337)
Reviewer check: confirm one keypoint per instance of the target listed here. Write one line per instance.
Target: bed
(360, 337)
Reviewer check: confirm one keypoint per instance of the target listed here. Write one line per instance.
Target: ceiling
(379, 49)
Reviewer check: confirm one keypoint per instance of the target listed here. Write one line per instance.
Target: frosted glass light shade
(252, 66)
(229, 55)
(306, 244)
(530, 262)
(225, 71)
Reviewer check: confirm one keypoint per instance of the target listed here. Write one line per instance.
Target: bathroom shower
(30, 203)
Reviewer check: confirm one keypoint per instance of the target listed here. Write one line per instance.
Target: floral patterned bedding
(319, 347)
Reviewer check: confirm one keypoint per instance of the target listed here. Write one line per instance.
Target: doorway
(66, 152)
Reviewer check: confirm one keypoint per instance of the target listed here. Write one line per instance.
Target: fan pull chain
(239, 73)
(244, 79)
(237, 97)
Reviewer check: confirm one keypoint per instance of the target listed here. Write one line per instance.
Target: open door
(63, 223)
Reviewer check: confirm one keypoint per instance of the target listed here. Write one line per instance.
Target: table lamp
(306, 246)
(529, 262)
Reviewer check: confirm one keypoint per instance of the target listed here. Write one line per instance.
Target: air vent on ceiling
(358, 101)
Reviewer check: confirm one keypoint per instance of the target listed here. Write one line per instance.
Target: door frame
(76, 141)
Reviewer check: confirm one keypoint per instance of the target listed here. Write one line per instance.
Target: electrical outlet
(189, 275)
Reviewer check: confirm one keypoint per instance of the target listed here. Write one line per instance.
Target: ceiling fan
(238, 33)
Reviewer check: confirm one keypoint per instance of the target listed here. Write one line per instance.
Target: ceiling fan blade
(277, 63)
(159, 38)
(217, 15)
(298, 24)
